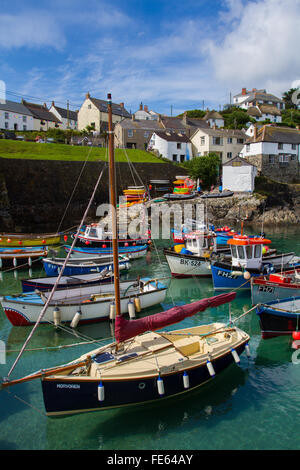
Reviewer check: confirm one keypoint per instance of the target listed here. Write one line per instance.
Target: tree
(288, 99)
(206, 168)
(194, 113)
(236, 118)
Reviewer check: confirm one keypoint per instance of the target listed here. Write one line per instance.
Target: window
(257, 251)
(178, 145)
(202, 140)
(24, 118)
(248, 148)
(283, 158)
(249, 251)
(24, 127)
(6, 125)
(229, 154)
(182, 158)
(233, 251)
(294, 146)
(229, 140)
(174, 158)
(130, 133)
(146, 134)
(6, 115)
(240, 141)
(293, 157)
(217, 141)
(241, 252)
(272, 159)
(89, 106)
(280, 146)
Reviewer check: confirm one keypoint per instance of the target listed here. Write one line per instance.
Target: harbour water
(254, 405)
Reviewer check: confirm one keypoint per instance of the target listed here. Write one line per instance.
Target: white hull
(188, 266)
(28, 307)
(262, 294)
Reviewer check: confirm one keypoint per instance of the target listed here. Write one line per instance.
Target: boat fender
(56, 316)
(235, 356)
(247, 275)
(131, 309)
(76, 319)
(101, 391)
(29, 262)
(30, 272)
(160, 386)
(15, 262)
(137, 304)
(0, 262)
(186, 380)
(247, 350)
(210, 368)
(112, 311)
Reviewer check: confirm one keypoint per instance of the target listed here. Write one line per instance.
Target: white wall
(239, 178)
(168, 149)
(16, 119)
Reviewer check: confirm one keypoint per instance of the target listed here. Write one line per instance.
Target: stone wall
(281, 172)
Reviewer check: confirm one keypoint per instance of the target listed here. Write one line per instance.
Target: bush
(206, 168)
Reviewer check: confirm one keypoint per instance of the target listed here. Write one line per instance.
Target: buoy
(65, 238)
(137, 304)
(100, 391)
(56, 316)
(76, 319)
(210, 368)
(112, 311)
(103, 246)
(235, 356)
(247, 349)
(131, 309)
(15, 262)
(20, 242)
(126, 244)
(186, 380)
(30, 272)
(8, 240)
(160, 386)
(43, 241)
(296, 335)
(29, 261)
(247, 275)
(87, 242)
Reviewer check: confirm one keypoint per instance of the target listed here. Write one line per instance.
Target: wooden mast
(113, 202)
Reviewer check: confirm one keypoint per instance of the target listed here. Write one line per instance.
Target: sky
(170, 55)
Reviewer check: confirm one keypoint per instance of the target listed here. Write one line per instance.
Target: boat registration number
(226, 274)
(267, 289)
(188, 262)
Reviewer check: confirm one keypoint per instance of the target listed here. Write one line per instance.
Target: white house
(214, 119)
(67, 117)
(275, 151)
(94, 112)
(227, 143)
(43, 119)
(15, 117)
(171, 145)
(239, 175)
(260, 105)
(144, 114)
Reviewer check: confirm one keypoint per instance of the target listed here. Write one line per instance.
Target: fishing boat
(143, 364)
(279, 317)
(94, 236)
(29, 239)
(247, 261)
(17, 256)
(87, 304)
(132, 252)
(47, 283)
(193, 257)
(275, 286)
(53, 266)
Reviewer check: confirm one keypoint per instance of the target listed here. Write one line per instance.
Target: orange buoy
(296, 335)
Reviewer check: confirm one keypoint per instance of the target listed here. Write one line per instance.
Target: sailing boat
(141, 365)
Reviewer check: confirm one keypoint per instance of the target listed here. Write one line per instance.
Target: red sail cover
(125, 329)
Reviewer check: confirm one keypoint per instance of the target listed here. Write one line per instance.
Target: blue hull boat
(53, 266)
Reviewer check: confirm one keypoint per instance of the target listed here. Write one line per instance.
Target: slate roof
(64, 113)
(258, 95)
(172, 136)
(40, 111)
(13, 107)
(144, 124)
(117, 109)
(224, 133)
(243, 161)
(277, 134)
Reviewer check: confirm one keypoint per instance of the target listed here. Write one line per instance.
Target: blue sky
(170, 55)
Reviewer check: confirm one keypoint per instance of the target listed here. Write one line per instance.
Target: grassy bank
(33, 151)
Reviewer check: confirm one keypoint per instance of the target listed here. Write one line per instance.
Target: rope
(26, 403)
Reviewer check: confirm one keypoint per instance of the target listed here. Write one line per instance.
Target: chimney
(133, 117)
(254, 89)
(87, 95)
(45, 106)
(244, 91)
(122, 105)
(141, 107)
(146, 108)
(184, 118)
(53, 104)
(255, 132)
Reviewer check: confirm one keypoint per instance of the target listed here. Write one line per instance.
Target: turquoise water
(251, 406)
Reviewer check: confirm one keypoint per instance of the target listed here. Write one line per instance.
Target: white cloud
(262, 50)
(31, 30)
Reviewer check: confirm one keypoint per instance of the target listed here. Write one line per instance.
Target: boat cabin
(246, 252)
(94, 231)
(201, 243)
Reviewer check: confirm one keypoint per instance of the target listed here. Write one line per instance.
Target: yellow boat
(29, 239)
